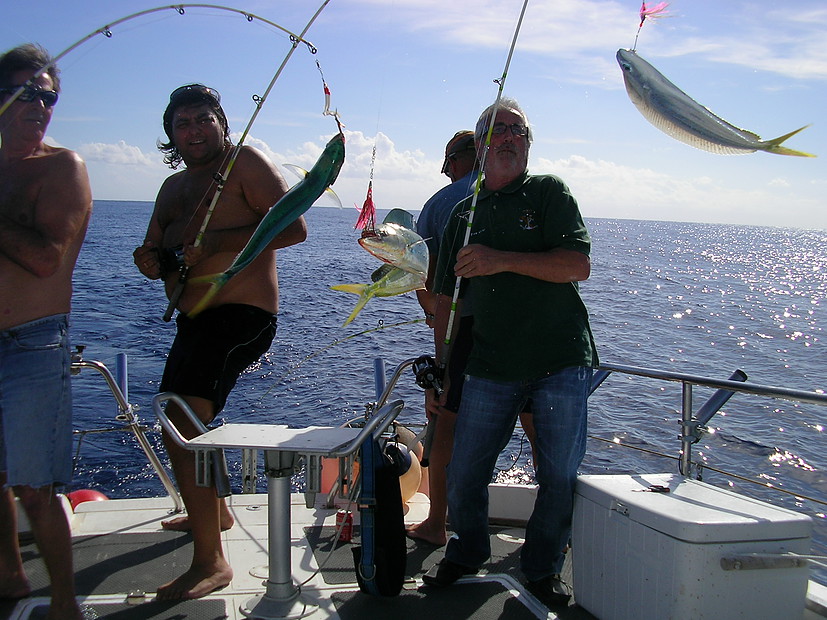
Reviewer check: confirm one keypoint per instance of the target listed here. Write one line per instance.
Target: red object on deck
(85, 495)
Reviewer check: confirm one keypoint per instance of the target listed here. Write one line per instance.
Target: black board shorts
(211, 351)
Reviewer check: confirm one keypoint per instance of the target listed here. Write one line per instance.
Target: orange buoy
(85, 495)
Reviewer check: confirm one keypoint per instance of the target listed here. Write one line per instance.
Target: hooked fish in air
(397, 244)
(387, 281)
(287, 210)
(678, 115)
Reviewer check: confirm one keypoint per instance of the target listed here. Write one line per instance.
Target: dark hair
(189, 95)
(27, 57)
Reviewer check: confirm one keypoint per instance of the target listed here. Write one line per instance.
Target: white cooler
(639, 554)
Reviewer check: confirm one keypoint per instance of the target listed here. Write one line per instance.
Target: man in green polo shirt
(527, 250)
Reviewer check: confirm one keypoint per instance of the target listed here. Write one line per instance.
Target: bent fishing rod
(221, 179)
(452, 315)
(106, 31)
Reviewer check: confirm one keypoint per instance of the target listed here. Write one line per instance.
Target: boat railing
(126, 415)
(693, 423)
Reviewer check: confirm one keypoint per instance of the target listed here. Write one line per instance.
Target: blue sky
(406, 74)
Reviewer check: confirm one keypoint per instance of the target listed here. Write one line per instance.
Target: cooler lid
(693, 511)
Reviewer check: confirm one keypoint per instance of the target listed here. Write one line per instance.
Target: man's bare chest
(19, 188)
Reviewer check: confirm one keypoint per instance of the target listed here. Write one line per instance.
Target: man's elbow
(581, 268)
(46, 265)
(586, 269)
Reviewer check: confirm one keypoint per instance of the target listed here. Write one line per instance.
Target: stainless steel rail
(692, 424)
(128, 417)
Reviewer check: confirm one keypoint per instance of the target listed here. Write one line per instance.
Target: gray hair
(507, 104)
(27, 57)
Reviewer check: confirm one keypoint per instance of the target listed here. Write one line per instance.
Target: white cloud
(121, 154)
(404, 179)
(612, 190)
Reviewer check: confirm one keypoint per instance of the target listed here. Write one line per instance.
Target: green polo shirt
(524, 328)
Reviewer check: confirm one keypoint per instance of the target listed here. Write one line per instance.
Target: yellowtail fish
(675, 113)
(387, 282)
(287, 210)
(397, 245)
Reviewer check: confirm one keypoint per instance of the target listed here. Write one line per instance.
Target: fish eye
(625, 66)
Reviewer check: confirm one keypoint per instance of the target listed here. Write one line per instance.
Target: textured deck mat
(117, 563)
(480, 601)
(338, 569)
(181, 610)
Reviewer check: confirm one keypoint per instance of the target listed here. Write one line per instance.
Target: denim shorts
(36, 403)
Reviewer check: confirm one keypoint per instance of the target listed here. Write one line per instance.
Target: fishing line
(106, 31)
(443, 362)
(333, 344)
(220, 180)
(653, 12)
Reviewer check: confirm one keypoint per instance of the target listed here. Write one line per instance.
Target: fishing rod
(221, 179)
(180, 9)
(443, 361)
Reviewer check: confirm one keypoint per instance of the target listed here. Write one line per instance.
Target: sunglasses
(195, 88)
(30, 93)
(516, 129)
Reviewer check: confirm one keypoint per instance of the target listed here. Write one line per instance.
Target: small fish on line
(678, 115)
(387, 281)
(397, 245)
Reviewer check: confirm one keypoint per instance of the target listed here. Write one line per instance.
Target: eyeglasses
(516, 129)
(195, 88)
(30, 93)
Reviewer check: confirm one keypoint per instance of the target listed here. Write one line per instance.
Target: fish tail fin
(333, 196)
(217, 280)
(359, 289)
(775, 145)
(350, 288)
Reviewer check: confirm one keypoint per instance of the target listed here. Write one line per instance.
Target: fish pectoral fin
(297, 170)
(775, 145)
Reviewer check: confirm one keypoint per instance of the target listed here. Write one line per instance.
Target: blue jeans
(36, 403)
(485, 422)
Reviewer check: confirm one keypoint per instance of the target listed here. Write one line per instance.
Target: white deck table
(281, 446)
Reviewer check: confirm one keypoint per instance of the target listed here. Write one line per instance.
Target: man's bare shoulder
(262, 183)
(255, 161)
(60, 156)
(172, 185)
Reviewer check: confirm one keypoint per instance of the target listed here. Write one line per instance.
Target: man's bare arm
(557, 265)
(60, 215)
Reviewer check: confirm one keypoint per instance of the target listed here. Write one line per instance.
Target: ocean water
(701, 299)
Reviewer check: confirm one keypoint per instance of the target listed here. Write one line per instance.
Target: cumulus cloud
(401, 178)
(121, 154)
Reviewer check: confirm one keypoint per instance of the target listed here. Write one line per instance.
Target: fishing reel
(428, 374)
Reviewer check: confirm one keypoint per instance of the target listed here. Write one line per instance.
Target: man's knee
(35, 501)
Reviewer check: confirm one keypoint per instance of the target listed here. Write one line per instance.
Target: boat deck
(121, 555)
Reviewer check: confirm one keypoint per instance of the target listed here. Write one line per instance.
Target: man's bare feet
(428, 532)
(14, 587)
(182, 524)
(68, 611)
(196, 583)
